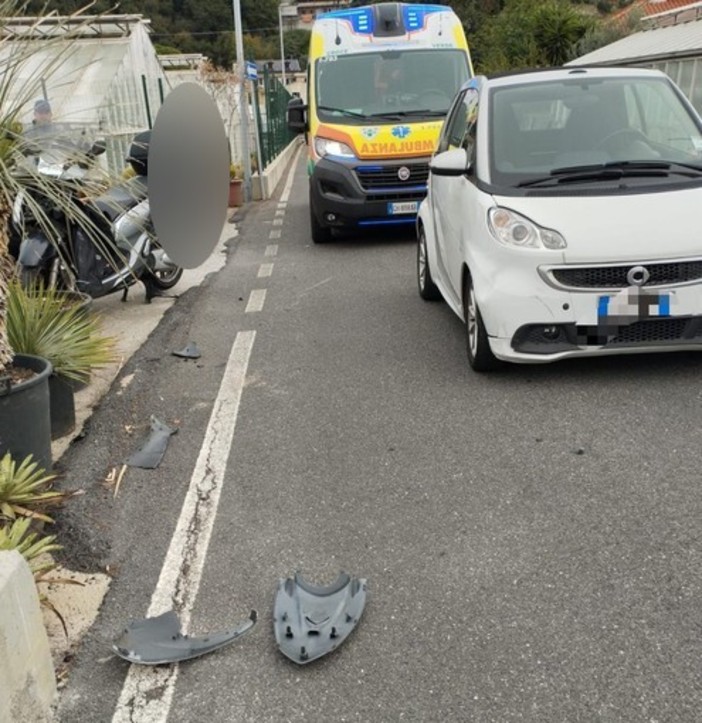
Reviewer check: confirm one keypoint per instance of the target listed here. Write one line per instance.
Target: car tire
(320, 234)
(428, 290)
(480, 356)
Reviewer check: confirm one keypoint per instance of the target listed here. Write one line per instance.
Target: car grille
(614, 277)
(531, 339)
(656, 330)
(378, 178)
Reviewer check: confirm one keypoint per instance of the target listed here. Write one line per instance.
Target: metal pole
(146, 101)
(282, 47)
(243, 100)
(257, 126)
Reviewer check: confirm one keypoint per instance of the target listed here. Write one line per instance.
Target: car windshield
(388, 85)
(559, 132)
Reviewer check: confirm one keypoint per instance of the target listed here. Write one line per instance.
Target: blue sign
(251, 70)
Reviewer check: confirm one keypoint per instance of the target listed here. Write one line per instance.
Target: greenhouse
(109, 85)
(669, 41)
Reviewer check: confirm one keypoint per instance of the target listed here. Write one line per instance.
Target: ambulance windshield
(389, 84)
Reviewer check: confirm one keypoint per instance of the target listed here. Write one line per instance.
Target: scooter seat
(117, 199)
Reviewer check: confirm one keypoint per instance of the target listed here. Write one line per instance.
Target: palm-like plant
(40, 322)
(24, 488)
(24, 72)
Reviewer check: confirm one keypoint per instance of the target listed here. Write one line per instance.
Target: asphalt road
(531, 538)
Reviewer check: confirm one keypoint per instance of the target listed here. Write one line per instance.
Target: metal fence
(271, 118)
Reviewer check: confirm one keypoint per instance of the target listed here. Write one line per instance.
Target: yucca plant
(25, 489)
(41, 322)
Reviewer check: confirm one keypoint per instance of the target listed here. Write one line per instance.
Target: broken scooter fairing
(158, 640)
(311, 620)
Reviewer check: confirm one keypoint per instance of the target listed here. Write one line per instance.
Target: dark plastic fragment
(150, 454)
(310, 621)
(191, 351)
(158, 640)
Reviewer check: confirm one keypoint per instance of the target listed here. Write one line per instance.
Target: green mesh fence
(270, 109)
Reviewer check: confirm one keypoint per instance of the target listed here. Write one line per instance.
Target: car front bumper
(529, 321)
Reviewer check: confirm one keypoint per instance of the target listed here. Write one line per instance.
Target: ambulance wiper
(400, 114)
(343, 111)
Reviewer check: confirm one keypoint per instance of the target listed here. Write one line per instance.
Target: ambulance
(380, 80)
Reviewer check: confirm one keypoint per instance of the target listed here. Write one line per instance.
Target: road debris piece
(150, 454)
(310, 621)
(191, 351)
(158, 640)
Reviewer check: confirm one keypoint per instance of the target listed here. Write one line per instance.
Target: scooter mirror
(98, 148)
(188, 175)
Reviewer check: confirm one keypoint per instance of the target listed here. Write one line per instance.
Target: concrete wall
(27, 682)
(274, 171)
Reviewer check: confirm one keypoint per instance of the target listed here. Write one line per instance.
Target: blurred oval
(188, 163)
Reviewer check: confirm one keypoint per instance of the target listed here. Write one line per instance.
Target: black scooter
(69, 256)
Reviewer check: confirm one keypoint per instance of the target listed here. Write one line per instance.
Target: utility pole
(243, 99)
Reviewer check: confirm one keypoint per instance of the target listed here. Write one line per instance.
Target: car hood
(618, 227)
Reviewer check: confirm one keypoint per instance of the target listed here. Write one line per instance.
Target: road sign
(251, 70)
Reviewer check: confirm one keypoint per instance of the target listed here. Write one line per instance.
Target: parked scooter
(69, 257)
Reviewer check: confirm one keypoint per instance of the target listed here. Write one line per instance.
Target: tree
(529, 33)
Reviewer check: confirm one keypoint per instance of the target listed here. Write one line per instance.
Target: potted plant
(26, 75)
(47, 323)
(236, 184)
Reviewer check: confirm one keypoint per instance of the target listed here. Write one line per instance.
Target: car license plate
(401, 207)
(632, 304)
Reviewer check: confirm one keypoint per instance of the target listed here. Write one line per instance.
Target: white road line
(285, 195)
(277, 221)
(275, 233)
(265, 270)
(148, 690)
(256, 300)
(282, 204)
(271, 250)
(280, 212)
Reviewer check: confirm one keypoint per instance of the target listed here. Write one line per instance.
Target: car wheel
(480, 356)
(428, 290)
(320, 234)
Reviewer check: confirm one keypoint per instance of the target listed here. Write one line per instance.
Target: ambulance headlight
(327, 147)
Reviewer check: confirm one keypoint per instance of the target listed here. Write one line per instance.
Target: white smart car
(562, 215)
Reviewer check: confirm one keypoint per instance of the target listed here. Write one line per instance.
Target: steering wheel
(631, 133)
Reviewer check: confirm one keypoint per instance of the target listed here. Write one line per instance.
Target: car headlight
(327, 147)
(512, 229)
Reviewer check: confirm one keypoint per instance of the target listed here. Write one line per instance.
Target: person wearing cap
(42, 127)
(42, 113)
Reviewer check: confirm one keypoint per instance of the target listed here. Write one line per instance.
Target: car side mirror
(450, 163)
(297, 115)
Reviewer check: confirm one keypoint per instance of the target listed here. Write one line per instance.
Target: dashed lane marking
(265, 270)
(257, 298)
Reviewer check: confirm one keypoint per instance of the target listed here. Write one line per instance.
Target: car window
(459, 131)
(662, 118)
(535, 128)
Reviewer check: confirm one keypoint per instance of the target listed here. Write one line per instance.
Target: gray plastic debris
(310, 621)
(150, 454)
(158, 640)
(191, 351)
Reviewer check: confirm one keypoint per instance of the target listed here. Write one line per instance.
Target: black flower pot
(63, 406)
(25, 420)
